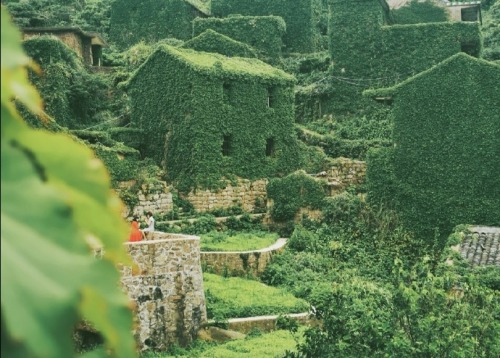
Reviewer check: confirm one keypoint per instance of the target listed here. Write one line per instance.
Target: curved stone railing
(239, 263)
(166, 286)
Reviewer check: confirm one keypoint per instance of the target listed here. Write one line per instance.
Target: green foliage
(212, 41)
(192, 105)
(295, 191)
(491, 33)
(263, 33)
(334, 146)
(237, 297)
(416, 12)
(221, 241)
(445, 162)
(150, 21)
(415, 314)
(369, 53)
(72, 96)
(299, 15)
(131, 137)
(58, 207)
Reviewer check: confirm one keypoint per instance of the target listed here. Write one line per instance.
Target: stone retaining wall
(245, 194)
(344, 173)
(240, 263)
(167, 289)
(268, 323)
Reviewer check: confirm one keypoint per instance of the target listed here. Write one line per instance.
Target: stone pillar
(166, 286)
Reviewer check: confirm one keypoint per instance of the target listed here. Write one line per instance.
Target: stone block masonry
(344, 173)
(245, 194)
(166, 286)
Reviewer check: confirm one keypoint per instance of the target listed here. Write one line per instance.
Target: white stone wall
(166, 286)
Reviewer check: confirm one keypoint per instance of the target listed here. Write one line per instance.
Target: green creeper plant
(56, 205)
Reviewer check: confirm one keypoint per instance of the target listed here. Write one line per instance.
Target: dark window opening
(96, 55)
(226, 146)
(271, 97)
(227, 92)
(469, 13)
(270, 147)
(470, 48)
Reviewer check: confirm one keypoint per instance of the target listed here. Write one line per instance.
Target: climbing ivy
(264, 33)
(301, 17)
(206, 116)
(150, 20)
(212, 41)
(445, 161)
(368, 52)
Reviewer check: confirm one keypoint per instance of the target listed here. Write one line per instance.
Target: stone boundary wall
(240, 263)
(166, 286)
(245, 194)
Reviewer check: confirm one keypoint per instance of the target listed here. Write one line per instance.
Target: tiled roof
(481, 246)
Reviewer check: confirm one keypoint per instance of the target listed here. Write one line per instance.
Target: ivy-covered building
(364, 45)
(263, 33)
(444, 169)
(133, 21)
(206, 116)
(301, 18)
(368, 50)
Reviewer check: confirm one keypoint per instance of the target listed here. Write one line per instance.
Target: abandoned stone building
(206, 116)
(457, 10)
(87, 45)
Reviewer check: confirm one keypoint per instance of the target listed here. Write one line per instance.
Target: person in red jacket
(135, 233)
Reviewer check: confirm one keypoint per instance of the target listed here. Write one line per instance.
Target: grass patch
(244, 241)
(235, 297)
(269, 345)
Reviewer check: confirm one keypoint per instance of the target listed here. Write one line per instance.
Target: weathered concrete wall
(240, 263)
(244, 194)
(167, 289)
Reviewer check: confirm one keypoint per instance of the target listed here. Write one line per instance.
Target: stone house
(445, 160)
(88, 45)
(206, 116)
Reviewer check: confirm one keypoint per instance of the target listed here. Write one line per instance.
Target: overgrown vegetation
(232, 297)
(222, 241)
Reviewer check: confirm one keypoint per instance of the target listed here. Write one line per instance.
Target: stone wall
(240, 263)
(155, 198)
(167, 288)
(245, 194)
(344, 173)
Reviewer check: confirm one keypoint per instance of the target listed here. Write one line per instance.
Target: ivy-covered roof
(213, 41)
(211, 63)
(202, 6)
(451, 62)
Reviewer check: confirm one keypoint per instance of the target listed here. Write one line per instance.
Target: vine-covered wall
(212, 41)
(445, 163)
(72, 96)
(150, 21)
(368, 52)
(206, 116)
(264, 33)
(301, 17)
